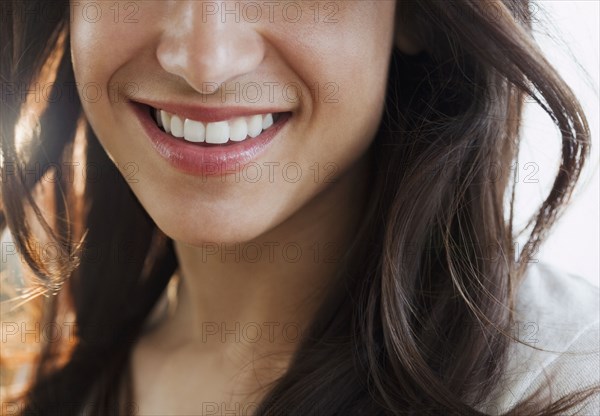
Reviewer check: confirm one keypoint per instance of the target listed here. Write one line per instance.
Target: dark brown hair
(420, 321)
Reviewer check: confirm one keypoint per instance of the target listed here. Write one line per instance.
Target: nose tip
(207, 52)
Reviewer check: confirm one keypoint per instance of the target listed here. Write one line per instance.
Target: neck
(264, 293)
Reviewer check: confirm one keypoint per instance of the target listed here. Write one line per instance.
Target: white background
(568, 32)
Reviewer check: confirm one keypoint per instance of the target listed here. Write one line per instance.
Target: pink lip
(205, 159)
(208, 114)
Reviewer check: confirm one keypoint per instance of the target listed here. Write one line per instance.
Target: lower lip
(203, 160)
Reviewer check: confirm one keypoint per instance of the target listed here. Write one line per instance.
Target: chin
(217, 230)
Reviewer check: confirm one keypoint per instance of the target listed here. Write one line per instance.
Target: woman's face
(220, 71)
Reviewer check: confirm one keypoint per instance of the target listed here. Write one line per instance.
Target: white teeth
(166, 120)
(219, 132)
(267, 121)
(194, 131)
(176, 126)
(238, 129)
(255, 125)
(158, 117)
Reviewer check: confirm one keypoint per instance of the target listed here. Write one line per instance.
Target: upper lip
(208, 114)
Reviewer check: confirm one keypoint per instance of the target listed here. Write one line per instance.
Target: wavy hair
(420, 320)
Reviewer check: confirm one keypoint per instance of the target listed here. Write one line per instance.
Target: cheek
(97, 51)
(346, 70)
(342, 68)
(102, 40)
(104, 35)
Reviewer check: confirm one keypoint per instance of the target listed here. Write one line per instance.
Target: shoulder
(559, 314)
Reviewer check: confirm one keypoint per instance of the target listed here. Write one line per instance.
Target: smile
(236, 129)
(209, 141)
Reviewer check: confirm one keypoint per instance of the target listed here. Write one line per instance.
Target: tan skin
(181, 366)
